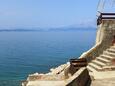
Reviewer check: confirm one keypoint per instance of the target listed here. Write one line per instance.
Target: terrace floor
(103, 82)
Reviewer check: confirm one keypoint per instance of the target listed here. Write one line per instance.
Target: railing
(105, 16)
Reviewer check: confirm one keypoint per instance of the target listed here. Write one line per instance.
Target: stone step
(96, 67)
(111, 50)
(112, 47)
(106, 57)
(99, 63)
(90, 69)
(109, 53)
(102, 59)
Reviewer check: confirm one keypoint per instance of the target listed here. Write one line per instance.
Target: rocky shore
(55, 74)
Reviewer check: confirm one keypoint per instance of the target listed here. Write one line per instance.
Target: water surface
(23, 53)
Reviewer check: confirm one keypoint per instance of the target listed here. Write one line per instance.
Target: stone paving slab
(103, 74)
(46, 83)
(103, 82)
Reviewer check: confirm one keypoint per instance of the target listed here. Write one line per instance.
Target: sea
(23, 53)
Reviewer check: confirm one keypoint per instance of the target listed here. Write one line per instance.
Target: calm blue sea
(23, 53)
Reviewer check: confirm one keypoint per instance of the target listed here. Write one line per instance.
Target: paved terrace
(103, 82)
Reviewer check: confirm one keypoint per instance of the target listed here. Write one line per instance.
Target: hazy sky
(46, 13)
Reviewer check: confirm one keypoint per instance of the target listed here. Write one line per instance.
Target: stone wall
(80, 78)
(105, 33)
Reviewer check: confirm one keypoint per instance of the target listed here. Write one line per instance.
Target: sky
(47, 13)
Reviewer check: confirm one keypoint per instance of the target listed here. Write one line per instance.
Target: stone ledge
(80, 78)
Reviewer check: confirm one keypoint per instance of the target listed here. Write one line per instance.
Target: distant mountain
(48, 29)
(70, 29)
(20, 30)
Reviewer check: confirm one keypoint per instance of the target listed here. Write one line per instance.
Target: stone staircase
(102, 63)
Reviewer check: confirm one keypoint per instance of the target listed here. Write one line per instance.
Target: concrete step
(109, 53)
(99, 63)
(96, 67)
(90, 69)
(102, 60)
(106, 56)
